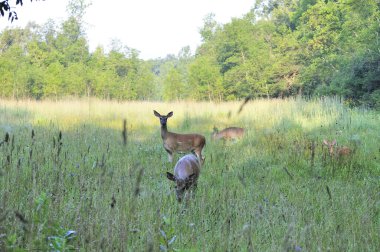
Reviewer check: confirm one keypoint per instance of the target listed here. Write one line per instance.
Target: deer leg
(198, 153)
(170, 155)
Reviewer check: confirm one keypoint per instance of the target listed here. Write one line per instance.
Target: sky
(155, 28)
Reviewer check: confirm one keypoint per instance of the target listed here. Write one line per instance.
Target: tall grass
(67, 181)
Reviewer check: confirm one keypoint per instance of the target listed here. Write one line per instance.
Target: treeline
(46, 62)
(280, 48)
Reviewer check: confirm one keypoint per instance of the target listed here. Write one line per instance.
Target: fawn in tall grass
(174, 142)
(228, 133)
(342, 151)
(186, 173)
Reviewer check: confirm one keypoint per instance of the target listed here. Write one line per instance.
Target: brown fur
(228, 133)
(174, 142)
(339, 151)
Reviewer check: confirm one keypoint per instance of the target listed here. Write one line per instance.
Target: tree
(77, 9)
(174, 87)
(76, 79)
(11, 69)
(205, 79)
(279, 48)
(53, 81)
(209, 27)
(144, 83)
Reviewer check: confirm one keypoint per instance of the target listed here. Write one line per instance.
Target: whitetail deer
(186, 173)
(228, 133)
(174, 142)
(339, 151)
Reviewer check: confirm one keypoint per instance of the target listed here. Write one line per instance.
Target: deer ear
(170, 176)
(325, 142)
(156, 113)
(170, 114)
(333, 142)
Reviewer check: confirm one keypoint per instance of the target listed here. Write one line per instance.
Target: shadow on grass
(97, 186)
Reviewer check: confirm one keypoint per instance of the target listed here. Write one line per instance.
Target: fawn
(186, 173)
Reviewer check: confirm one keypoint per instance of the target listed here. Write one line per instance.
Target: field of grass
(67, 181)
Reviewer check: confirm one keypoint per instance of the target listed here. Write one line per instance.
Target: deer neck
(164, 131)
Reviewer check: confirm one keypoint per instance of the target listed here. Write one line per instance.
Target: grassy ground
(64, 168)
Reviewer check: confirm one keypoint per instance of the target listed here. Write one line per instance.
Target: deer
(340, 152)
(228, 133)
(186, 173)
(174, 142)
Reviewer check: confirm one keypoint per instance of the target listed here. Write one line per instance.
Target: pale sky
(153, 27)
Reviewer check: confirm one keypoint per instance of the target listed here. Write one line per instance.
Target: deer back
(229, 133)
(186, 173)
(344, 151)
(184, 142)
(187, 166)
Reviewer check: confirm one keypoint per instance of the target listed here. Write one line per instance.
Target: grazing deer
(228, 133)
(186, 173)
(174, 142)
(339, 151)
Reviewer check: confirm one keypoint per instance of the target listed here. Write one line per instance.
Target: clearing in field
(68, 179)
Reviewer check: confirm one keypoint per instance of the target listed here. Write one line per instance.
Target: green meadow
(70, 181)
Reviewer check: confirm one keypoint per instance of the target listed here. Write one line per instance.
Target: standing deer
(339, 151)
(174, 142)
(228, 133)
(186, 173)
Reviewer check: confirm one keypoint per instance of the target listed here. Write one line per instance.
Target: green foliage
(67, 181)
(209, 28)
(167, 233)
(280, 48)
(54, 62)
(50, 235)
(205, 80)
(173, 86)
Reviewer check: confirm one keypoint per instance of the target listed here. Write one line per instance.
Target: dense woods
(279, 48)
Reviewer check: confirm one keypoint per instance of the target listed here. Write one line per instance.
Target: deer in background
(174, 142)
(228, 133)
(339, 152)
(186, 173)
